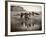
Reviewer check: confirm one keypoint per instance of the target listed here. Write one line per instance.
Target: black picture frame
(6, 18)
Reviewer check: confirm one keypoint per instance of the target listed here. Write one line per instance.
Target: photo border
(6, 18)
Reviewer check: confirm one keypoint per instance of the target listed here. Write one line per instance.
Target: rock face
(16, 8)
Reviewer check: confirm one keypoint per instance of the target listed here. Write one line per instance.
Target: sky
(32, 8)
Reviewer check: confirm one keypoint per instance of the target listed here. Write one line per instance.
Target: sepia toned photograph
(25, 18)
